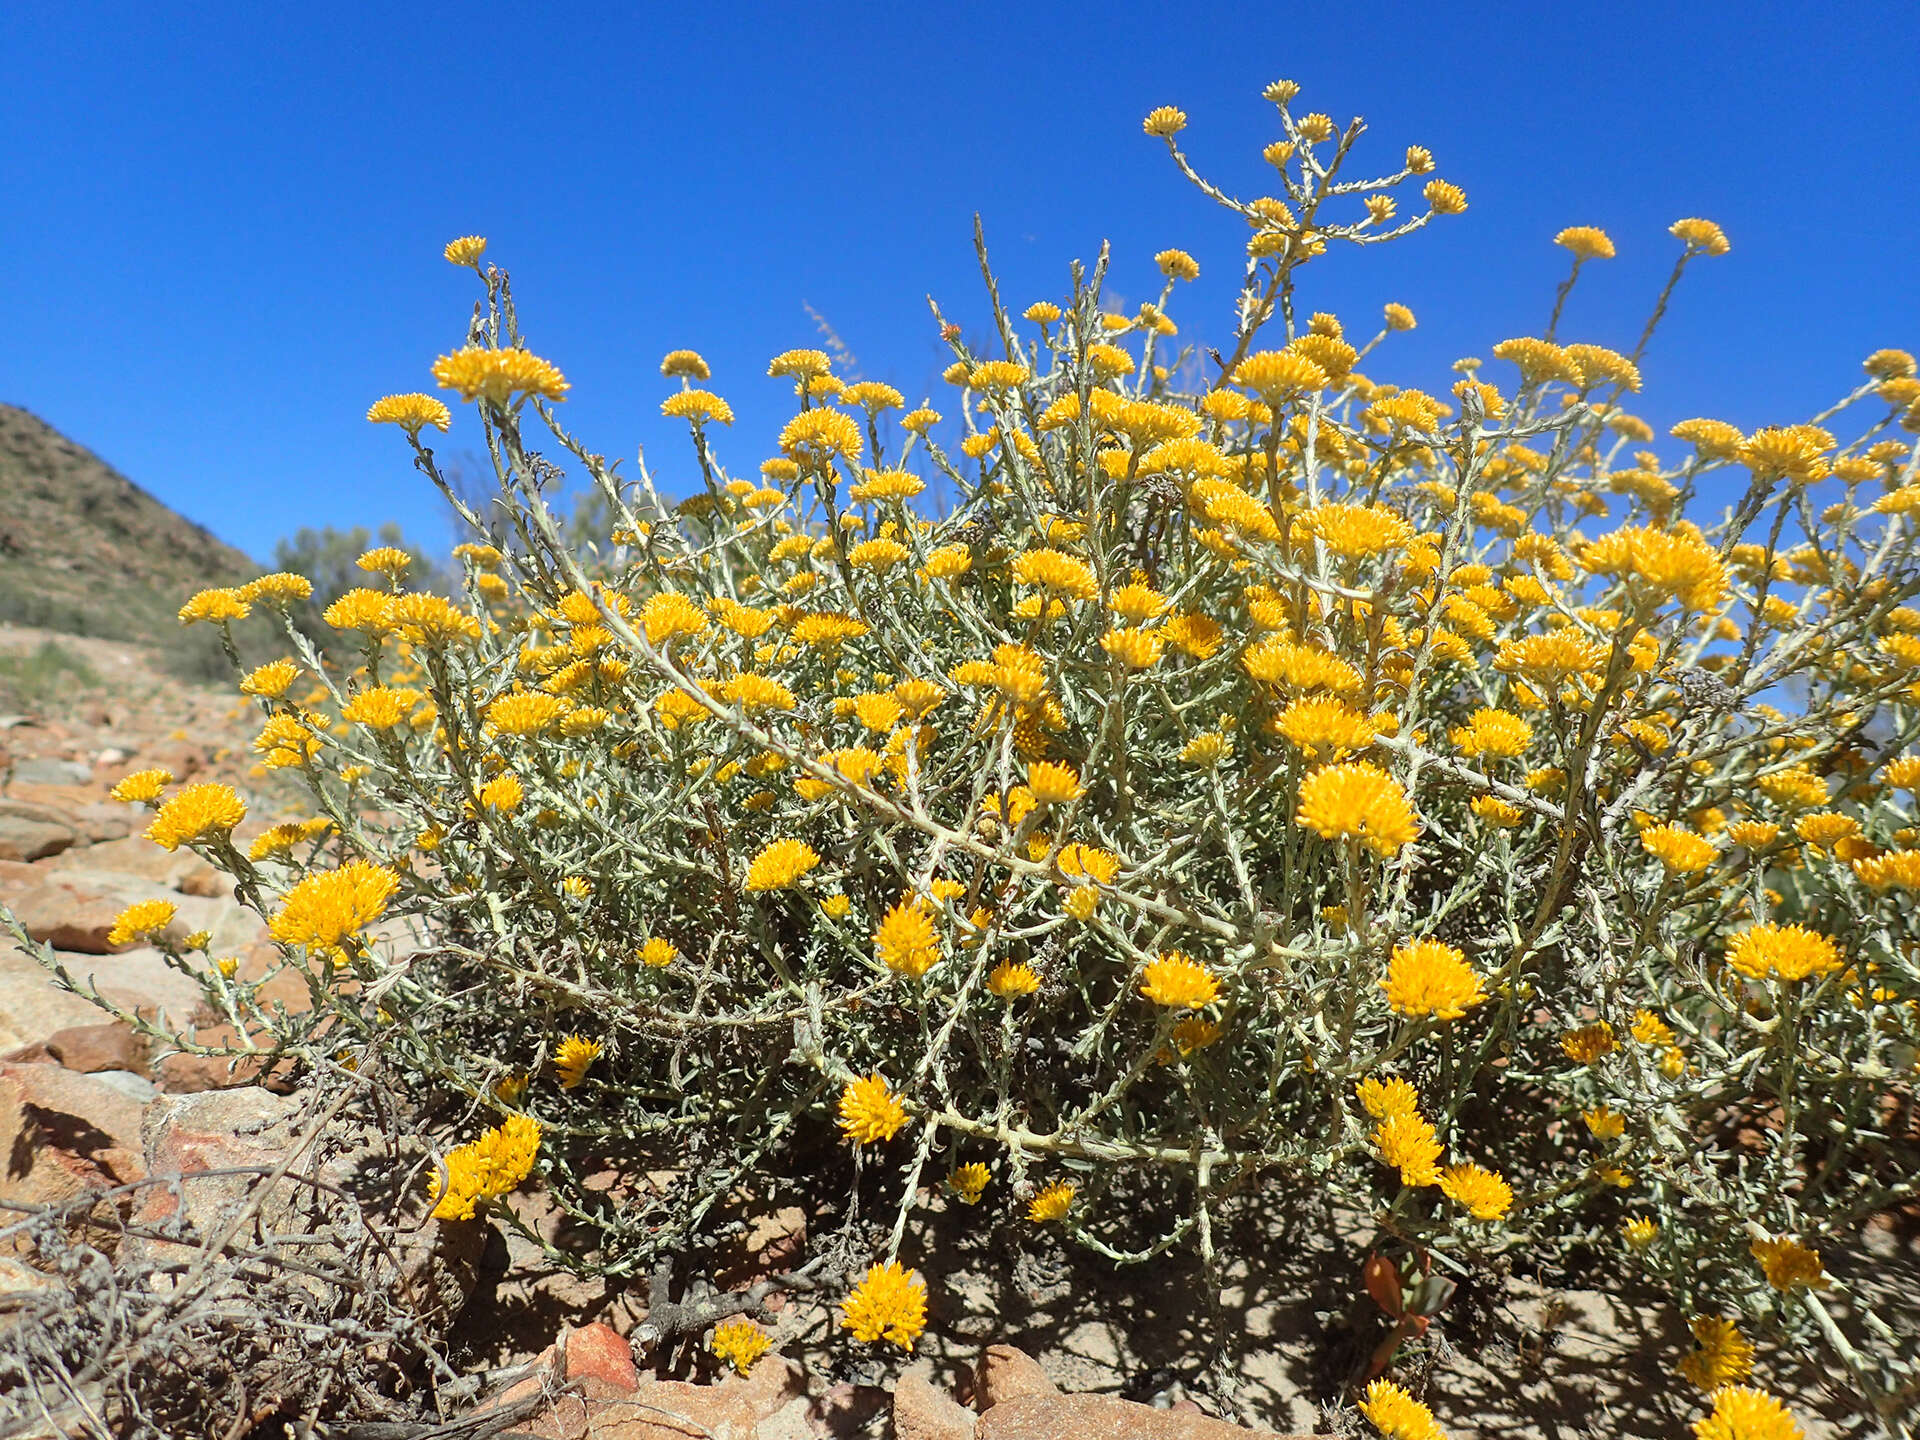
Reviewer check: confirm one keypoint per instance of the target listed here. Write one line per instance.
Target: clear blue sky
(221, 232)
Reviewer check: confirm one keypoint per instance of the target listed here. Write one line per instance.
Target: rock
(130, 1083)
(44, 770)
(101, 820)
(88, 1049)
(774, 1242)
(599, 1351)
(1104, 1417)
(31, 1008)
(923, 1411)
(33, 832)
(136, 857)
(182, 757)
(848, 1410)
(140, 980)
(734, 1409)
(1005, 1372)
(204, 881)
(83, 808)
(63, 1134)
(67, 918)
(18, 1278)
(199, 1138)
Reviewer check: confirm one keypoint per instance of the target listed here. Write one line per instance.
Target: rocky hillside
(85, 551)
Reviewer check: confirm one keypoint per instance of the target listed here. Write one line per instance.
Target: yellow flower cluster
(486, 1169)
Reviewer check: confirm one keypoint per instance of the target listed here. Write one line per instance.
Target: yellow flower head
(197, 815)
(1353, 531)
(1589, 1042)
(1324, 727)
(1358, 801)
(1741, 1412)
(780, 864)
(1164, 122)
(1278, 375)
(1177, 265)
(882, 485)
(799, 364)
(1677, 848)
(685, 365)
(1407, 1142)
(219, 606)
(1133, 648)
(143, 920)
(1397, 1415)
(1790, 1265)
(503, 793)
(486, 1168)
(1551, 657)
(368, 610)
(270, 681)
(1661, 564)
(143, 787)
(326, 909)
(1430, 977)
(432, 620)
(869, 1111)
(1793, 453)
(1012, 979)
(1050, 1204)
(1177, 982)
(814, 437)
(1604, 1124)
(466, 250)
(1782, 952)
(697, 407)
(572, 1058)
(878, 554)
(1720, 1354)
(1701, 235)
(969, 1182)
(411, 413)
(499, 375)
(891, 1303)
(740, 1342)
(908, 942)
(1586, 242)
(1498, 734)
(1057, 572)
(277, 842)
(668, 615)
(658, 953)
(524, 713)
(1480, 1192)
(377, 708)
(1275, 660)
(1391, 1096)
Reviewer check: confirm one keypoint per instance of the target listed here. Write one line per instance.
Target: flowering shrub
(1459, 799)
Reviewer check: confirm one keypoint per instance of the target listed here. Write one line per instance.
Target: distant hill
(86, 551)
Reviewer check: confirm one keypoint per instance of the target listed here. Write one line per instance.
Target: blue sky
(223, 222)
